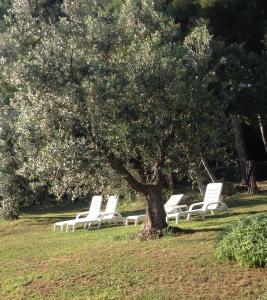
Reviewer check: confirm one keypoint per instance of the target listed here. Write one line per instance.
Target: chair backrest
(173, 201)
(111, 207)
(212, 194)
(95, 206)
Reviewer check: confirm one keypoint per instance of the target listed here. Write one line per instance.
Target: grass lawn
(37, 263)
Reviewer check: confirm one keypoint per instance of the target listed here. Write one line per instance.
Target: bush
(245, 241)
(9, 209)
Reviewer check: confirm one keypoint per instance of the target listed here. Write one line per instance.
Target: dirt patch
(41, 286)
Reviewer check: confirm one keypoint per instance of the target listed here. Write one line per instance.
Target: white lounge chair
(93, 211)
(135, 219)
(172, 205)
(212, 202)
(110, 215)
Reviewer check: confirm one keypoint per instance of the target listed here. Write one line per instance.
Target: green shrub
(245, 241)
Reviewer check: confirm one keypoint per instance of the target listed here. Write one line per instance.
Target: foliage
(234, 21)
(104, 93)
(4, 6)
(245, 241)
(239, 28)
(9, 181)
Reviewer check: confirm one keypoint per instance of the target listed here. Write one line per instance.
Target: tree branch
(117, 166)
(164, 145)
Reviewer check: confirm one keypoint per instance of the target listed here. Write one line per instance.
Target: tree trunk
(240, 145)
(197, 177)
(248, 166)
(171, 182)
(155, 221)
(263, 133)
(200, 183)
(208, 169)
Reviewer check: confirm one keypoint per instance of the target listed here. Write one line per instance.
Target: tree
(106, 95)
(12, 185)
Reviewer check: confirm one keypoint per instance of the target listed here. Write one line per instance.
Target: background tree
(14, 188)
(109, 93)
(240, 27)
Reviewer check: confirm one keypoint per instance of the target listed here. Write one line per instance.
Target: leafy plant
(245, 241)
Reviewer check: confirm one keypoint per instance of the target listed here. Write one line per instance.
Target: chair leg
(188, 217)
(177, 219)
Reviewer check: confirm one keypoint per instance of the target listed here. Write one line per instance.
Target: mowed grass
(106, 263)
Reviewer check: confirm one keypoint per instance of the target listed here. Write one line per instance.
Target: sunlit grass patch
(108, 263)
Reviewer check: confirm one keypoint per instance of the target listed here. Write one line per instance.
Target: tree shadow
(237, 202)
(209, 229)
(127, 213)
(233, 213)
(59, 208)
(40, 217)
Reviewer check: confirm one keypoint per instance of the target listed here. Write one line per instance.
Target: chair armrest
(195, 204)
(105, 215)
(212, 203)
(110, 214)
(181, 206)
(82, 214)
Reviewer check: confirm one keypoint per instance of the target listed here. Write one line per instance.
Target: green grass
(37, 263)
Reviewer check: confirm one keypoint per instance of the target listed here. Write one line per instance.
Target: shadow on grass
(233, 214)
(239, 202)
(39, 215)
(127, 213)
(62, 208)
(207, 229)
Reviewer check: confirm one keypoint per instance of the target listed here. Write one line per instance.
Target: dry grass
(37, 263)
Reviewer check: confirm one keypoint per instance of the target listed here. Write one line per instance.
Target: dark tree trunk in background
(250, 179)
(240, 144)
(246, 166)
(200, 183)
(208, 169)
(197, 177)
(263, 133)
(171, 182)
(155, 221)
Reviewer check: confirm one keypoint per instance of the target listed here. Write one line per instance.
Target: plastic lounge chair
(171, 206)
(93, 211)
(110, 215)
(211, 203)
(135, 219)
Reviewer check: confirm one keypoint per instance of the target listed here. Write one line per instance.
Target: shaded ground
(37, 263)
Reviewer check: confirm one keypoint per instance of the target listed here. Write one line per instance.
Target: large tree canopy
(104, 95)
